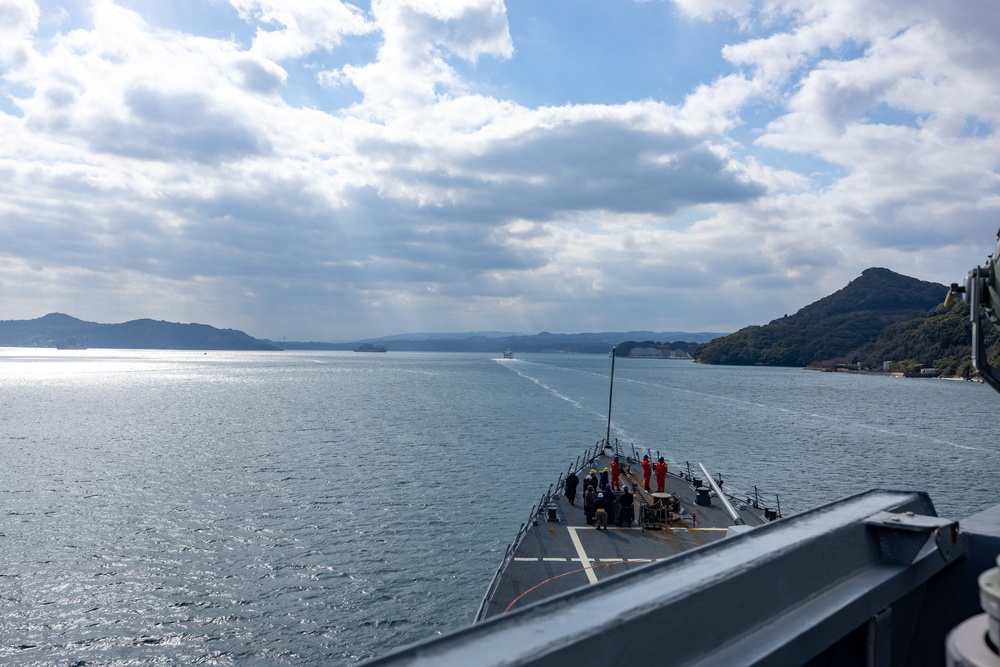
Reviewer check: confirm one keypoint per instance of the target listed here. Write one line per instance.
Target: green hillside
(941, 339)
(836, 326)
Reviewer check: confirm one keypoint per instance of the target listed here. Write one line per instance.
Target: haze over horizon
(329, 170)
(403, 335)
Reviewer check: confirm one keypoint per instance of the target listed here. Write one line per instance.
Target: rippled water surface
(321, 508)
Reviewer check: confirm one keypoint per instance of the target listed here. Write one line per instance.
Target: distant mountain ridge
(581, 343)
(61, 330)
(58, 330)
(427, 335)
(837, 326)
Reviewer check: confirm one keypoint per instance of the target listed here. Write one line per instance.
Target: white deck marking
(587, 562)
(696, 530)
(536, 559)
(584, 559)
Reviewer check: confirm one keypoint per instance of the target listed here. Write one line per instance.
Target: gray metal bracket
(906, 537)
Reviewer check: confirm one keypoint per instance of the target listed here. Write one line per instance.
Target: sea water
(321, 508)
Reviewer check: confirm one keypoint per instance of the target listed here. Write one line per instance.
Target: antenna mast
(611, 391)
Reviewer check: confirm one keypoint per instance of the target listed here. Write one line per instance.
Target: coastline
(827, 369)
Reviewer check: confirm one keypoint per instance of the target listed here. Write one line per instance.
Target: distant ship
(508, 354)
(368, 347)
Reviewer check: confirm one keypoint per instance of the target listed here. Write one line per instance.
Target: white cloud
(411, 69)
(901, 97)
(18, 22)
(186, 173)
(709, 9)
(18, 18)
(303, 25)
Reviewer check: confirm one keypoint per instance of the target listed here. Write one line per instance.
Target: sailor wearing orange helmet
(616, 484)
(661, 475)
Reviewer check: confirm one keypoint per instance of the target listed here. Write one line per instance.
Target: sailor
(572, 481)
(609, 495)
(601, 510)
(616, 483)
(604, 479)
(588, 504)
(590, 479)
(626, 508)
(647, 470)
(661, 475)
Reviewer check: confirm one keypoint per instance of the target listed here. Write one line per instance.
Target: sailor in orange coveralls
(647, 469)
(661, 475)
(616, 484)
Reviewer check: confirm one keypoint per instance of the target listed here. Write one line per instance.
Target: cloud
(894, 94)
(171, 127)
(212, 180)
(710, 9)
(411, 69)
(18, 22)
(125, 88)
(607, 165)
(18, 18)
(261, 76)
(303, 25)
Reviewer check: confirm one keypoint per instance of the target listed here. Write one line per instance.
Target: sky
(327, 170)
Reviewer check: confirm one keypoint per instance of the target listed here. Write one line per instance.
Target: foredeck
(557, 551)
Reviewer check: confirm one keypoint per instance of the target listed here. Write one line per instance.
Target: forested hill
(831, 328)
(57, 330)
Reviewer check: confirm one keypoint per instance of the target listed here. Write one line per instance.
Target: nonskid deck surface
(558, 556)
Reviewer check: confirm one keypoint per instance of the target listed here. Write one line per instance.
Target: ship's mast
(611, 391)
